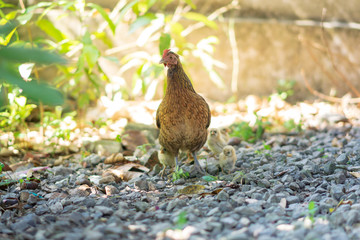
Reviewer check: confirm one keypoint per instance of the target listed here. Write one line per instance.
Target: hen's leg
(176, 162)
(197, 164)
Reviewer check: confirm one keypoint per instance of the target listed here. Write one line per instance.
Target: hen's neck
(177, 80)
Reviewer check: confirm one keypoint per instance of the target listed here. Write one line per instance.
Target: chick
(215, 142)
(227, 159)
(166, 158)
(224, 132)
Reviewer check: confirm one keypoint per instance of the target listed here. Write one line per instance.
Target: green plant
(311, 211)
(290, 125)
(179, 173)
(250, 134)
(266, 148)
(15, 60)
(144, 147)
(168, 28)
(240, 175)
(181, 220)
(285, 88)
(61, 124)
(12, 116)
(209, 178)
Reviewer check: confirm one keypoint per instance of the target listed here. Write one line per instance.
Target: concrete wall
(267, 37)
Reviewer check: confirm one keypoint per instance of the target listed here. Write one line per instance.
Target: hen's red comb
(165, 52)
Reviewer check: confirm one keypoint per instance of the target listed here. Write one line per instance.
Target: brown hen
(183, 115)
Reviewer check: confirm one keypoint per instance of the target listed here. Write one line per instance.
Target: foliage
(311, 211)
(284, 89)
(15, 56)
(167, 29)
(60, 123)
(13, 116)
(209, 178)
(290, 125)
(266, 148)
(179, 173)
(250, 134)
(181, 220)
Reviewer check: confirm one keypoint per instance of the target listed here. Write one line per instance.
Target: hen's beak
(161, 61)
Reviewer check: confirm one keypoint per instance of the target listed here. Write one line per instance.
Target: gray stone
(352, 217)
(225, 207)
(315, 197)
(228, 222)
(176, 203)
(342, 159)
(223, 196)
(292, 199)
(32, 199)
(104, 210)
(340, 177)
(273, 199)
(337, 191)
(239, 235)
(329, 168)
(294, 186)
(41, 209)
(141, 206)
(63, 171)
(264, 183)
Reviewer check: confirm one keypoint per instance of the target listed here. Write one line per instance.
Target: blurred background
(95, 63)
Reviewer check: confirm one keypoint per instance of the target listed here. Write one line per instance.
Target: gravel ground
(304, 187)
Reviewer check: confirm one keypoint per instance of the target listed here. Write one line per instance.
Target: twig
(211, 17)
(323, 96)
(312, 55)
(235, 56)
(326, 44)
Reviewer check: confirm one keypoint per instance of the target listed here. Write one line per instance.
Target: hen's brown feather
(183, 116)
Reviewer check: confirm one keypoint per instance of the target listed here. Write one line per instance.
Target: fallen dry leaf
(355, 174)
(29, 185)
(128, 171)
(215, 192)
(114, 158)
(192, 189)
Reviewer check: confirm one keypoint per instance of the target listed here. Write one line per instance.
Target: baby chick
(224, 132)
(215, 142)
(166, 158)
(227, 159)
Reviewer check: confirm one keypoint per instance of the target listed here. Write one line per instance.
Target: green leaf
(6, 5)
(141, 21)
(24, 18)
(49, 28)
(8, 27)
(181, 219)
(125, 9)
(200, 18)
(5, 41)
(164, 43)
(23, 55)
(91, 54)
(104, 15)
(190, 3)
(39, 92)
(209, 178)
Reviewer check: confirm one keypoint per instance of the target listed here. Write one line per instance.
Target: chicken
(227, 159)
(166, 159)
(215, 142)
(183, 116)
(224, 132)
